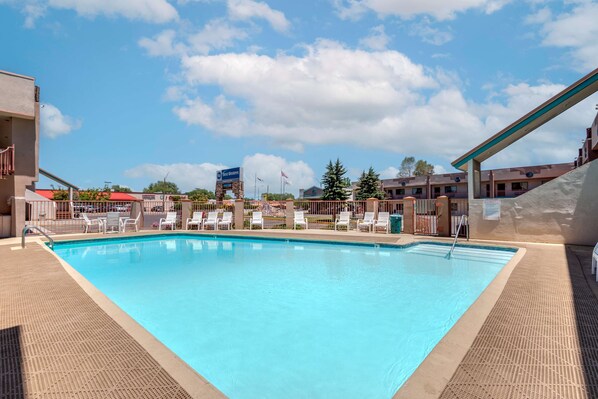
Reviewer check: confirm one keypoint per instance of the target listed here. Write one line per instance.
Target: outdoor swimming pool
(264, 318)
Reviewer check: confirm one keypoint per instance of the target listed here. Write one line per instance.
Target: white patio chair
(595, 260)
(92, 222)
(212, 220)
(299, 220)
(169, 221)
(344, 219)
(196, 220)
(131, 222)
(226, 221)
(367, 221)
(112, 222)
(256, 220)
(383, 222)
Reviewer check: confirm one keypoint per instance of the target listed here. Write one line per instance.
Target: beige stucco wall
(17, 97)
(564, 210)
(19, 125)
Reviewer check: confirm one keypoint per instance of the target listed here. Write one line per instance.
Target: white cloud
(53, 123)
(153, 11)
(576, 30)
(389, 173)
(217, 34)
(440, 170)
(267, 167)
(441, 10)
(186, 175)
(162, 45)
(377, 39)
(249, 9)
(372, 100)
(429, 34)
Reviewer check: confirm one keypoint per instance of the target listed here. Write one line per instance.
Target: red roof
(113, 196)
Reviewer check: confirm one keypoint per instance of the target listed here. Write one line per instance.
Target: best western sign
(227, 175)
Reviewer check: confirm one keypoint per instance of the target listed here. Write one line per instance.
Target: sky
(138, 90)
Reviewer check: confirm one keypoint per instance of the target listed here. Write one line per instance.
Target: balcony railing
(7, 161)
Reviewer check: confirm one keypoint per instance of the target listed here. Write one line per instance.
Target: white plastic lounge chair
(226, 221)
(92, 222)
(169, 221)
(344, 219)
(256, 220)
(595, 260)
(299, 220)
(196, 220)
(367, 222)
(131, 222)
(383, 222)
(112, 222)
(212, 220)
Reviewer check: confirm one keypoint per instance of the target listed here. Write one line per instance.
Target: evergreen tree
(369, 185)
(334, 182)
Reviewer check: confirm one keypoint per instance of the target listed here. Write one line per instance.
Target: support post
(17, 209)
(289, 213)
(371, 205)
(443, 216)
(474, 180)
(186, 211)
(239, 215)
(137, 209)
(409, 215)
(492, 185)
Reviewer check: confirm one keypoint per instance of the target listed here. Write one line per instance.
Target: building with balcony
(19, 146)
(496, 183)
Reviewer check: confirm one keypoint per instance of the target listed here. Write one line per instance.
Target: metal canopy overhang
(558, 104)
(57, 179)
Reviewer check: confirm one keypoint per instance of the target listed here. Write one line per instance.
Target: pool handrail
(32, 227)
(461, 220)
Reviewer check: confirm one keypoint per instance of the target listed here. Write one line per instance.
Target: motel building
(496, 183)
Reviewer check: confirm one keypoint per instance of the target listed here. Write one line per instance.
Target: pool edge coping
(190, 380)
(433, 374)
(429, 379)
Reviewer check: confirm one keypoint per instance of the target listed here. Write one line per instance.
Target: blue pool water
(276, 319)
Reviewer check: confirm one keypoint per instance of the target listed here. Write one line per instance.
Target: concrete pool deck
(540, 338)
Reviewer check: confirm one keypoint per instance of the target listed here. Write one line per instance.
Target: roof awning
(57, 179)
(558, 104)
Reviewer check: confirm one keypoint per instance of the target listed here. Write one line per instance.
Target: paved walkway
(56, 342)
(541, 338)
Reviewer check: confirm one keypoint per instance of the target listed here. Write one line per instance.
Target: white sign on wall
(491, 209)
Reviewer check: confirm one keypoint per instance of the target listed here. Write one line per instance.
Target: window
(450, 189)
(436, 190)
(519, 186)
(416, 190)
(400, 191)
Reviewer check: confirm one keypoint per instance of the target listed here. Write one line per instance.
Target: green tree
(94, 194)
(369, 185)
(162, 186)
(60, 195)
(423, 168)
(120, 189)
(334, 182)
(201, 195)
(406, 168)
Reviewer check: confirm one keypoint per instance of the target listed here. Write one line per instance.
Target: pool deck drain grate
(541, 338)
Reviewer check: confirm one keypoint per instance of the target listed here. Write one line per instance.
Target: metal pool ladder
(26, 229)
(456, 236)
